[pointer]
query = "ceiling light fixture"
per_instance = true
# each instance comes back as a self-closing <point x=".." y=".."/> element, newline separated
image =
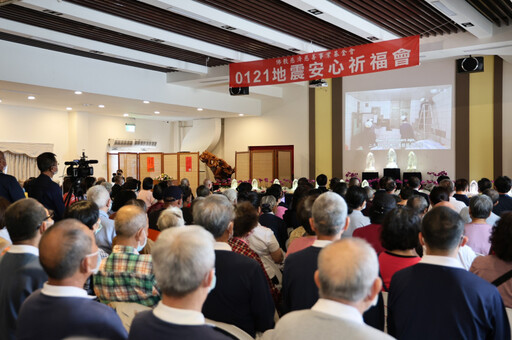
<point x="443" y="9"/>
<point x="101" y="106"/>
<point x="145" y="101"/>
<point x="69" y="108"/>
<point x="31" y="97"/>
<point x="240" y="114"/>
<point x="78" y="92"/>
<point x="0" y="100"/>
<point x="199" y="109"/>
<point x="157" y="112"/>
<point x="125" y="114"/>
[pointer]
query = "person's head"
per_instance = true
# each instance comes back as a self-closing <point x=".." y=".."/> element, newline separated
<point x="442" y="178"/>
<point x="47" y="162"/>
<point x="333" y="181"/>
<point x="147" y="183"/>
<point x="354" y="181"/>
<point x="185" y="182"/>
<point x="244" y="187"/>
<point x="298" y="194"/>
<point x="493" y="195"/>
<point x="439" y="194"/>
<point x="268" y="203"/>
<point x="86" y="212"/>
<point x="183" y="261"/>
<point x="121" y="198"/>
<point x="414" y="182"/>
<point x="501" y="237"/>
<point x="303" y="181"/>
<point x="321" y="180"/>
<point x="100" y="196"/>
<point x="187" y="194"/>
<point x="355" y="280"/>
<point x="329" y="214"/>
<point x="340" y="188"/>
<point x="215" y="213"/>
<point x="173" y="195"/>
<point x="381" y="204"/>
<point x="419" y="204"/>
<point x="100" y="180"/>
<point x="208" y="183"/>
<point x="355" y="198"/>
<point x="231" y="195"/>
<point x="448" y="184"/>
<point x="138" y="202"/>
<point x="503" y="184"/>
<point x="107" y="186"/>
<point x="26" y="220"/>
<point x="484" y="183"/>
<point x="170" y="217"/>
<point x="202" y="191"/>
<point x="400" y="229"/>
<point x="406" y="193"/>
<point x="304" y="212"/>
<point x="4" y="204"/>
<point x="158" y="191"/>
<point x="441" y="230"/>
<point x="390" y="186"/>
<point x="119" y="180"/>
<point x="249" y="196"/>
<point x="383" y="181"/>
<point x="275" y="190"/>
<point x="131" y="223"/>
<point x="480" y="206"/>
<point x="68" y="250"/>
<point x="246" y="219"/>
<point x="461" y="185"/>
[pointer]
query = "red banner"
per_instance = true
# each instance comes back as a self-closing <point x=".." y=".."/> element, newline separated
<point x="348" y="61"/>
<point x="151" y="164"/>
<point x="188" y="164"/>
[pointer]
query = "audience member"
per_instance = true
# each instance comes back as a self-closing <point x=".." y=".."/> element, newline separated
<point x="158" y="195"/>
<point x="438" y="195"/>
<point x="277" y="191"/>
<point x="340" y="188"/>
<point x="484" y="183"/>
<point x="121" y="198"/>
<point x="5" y="239"/>
<point x="290" y="217"/>
<point x="399" y="237"/>
<point x="146" y="194"/>
<point x="346" y="290"/>
<point x="448" y="184"/>
<point x="497" y="267"/>
<point x="21" y="273"/>
<point x="100" y="181"/>
<point x="241" y="296"/>
<point x="99" y="195"/>
<point x="43" y="189"/>
<point x="354" y="181"/>
<point x="405" y="194"/>
<point x="127" y="276"/>
<point x="438" y="291"/>
<point x="231" y="195"/>
<point x="208" y="184"/>
<point x="172" y="197"/>
<point x="270" y="220"/>
<point x="461" y="191"/>
<point x="187" y="204"/>
<point x="321" y="181"/>
<point x="333" y="181"/>
<point x="184" y="261"/>
<point x="478" y="231"/>
<point x="62" y="309"/>
<point x="170" y="217"/>
<point x="10" y="189"/>
<point x="418" y="204"/>
<point x="303" y="236"/>
<point x="244" y="187"/>
<point x="415" y="183"/>
<point x="329" y="219"/>
<point x="382" y="203"/>
<point x="502" y="184"/>
<point x="202" y="191"/>
<point x="118" y="183"/>
<point x="356" y="202"/>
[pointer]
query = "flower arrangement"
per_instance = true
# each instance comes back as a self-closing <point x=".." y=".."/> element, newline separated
<point x="434" y="176"/>
<point x="350" y="175"/>
<point x="163" y="177"/>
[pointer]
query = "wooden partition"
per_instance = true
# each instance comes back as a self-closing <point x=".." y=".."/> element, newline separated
<point x="243" y="166"/>
<point x="112" y="165"/>
<point x="188" y="166"/>
<point x="150" y="165"/>
<point x="171" y="164"/>
<point x="129" y="163"/>
<point x="272" y="162"/>
<point x="262" y="164"/>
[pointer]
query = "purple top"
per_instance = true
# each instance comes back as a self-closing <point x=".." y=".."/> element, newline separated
<point x="478" y="235"/>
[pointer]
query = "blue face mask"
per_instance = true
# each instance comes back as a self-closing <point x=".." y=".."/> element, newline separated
<point x="214" y="282"/>
<point x="98" y="230"/>
<point x="140" y="247"/>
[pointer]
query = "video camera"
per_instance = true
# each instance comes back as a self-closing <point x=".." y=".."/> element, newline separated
<point x="80" y="168"/>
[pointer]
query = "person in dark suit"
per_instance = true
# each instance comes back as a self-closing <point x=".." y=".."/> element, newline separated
<point x="183" y="260"/>
<point x="438" y="298"/>
<point x="270" y="220"/>
<point x="43" y="189"/>
<point x="242" y="296"/>
<point x="415" y="183"/>
<point x="9" y="186"/>
<point x="503" y="185"/>
<point x="22" y="274"/>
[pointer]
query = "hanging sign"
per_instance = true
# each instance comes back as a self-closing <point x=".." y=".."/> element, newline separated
<point x="348" y="61"/>
<point x="151" y="164"/>
<point x="188" y="164"/>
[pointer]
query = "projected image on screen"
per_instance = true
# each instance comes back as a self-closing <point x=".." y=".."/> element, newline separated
<point x="407" y="118"/>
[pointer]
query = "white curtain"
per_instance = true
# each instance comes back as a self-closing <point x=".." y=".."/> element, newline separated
<point x="21" y="158"/>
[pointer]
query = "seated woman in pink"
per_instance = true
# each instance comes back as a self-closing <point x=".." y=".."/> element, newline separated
<point x="478" y="231"/>
<point x="307" y="235"/>
<point x="399" y="237"/>
<point x="495" y="266"/>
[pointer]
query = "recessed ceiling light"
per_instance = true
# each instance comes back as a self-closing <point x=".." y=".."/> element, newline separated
<point x="78" y="92"/>
<point x="69" y="108"/>
<point x="157" y="112"/>
<point x="240" y="114"/>
<point x="101" y="106"/>
<point x="0" y="100"/>
<point x="145" y="101"/>
<point x="31" y="97"/>
<point x="199" y="109"/>
<point x="125" y="114"/>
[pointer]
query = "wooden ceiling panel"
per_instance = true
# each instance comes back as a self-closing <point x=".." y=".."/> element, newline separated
<point x="497" y="11"/>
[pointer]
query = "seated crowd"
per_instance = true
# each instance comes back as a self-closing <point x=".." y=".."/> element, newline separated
<point x="229" y="264"/>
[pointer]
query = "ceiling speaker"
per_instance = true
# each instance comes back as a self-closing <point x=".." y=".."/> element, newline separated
<point x="470" y="64"/>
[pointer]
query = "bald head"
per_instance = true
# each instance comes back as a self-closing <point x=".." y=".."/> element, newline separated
<point x="63" y="247"/>
<point x="129" y="220"/>
<point x="347" y="269"/>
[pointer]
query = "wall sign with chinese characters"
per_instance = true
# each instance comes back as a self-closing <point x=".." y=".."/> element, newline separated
<point x="368" y="58"/>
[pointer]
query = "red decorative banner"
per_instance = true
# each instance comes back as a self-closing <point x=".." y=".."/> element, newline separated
<point x="188" y="164"/>
<point x="151" y="164"/>
<point x="368" y="58"/>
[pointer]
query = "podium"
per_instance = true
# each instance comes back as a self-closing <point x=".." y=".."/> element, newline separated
<point x="410" y="174"/>
<point x="392" y="172"/>
<point x="368" y="175"/>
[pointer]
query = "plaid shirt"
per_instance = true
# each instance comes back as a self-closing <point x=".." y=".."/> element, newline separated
<point x="126" y="276"/>
<point x="241" y="247"/>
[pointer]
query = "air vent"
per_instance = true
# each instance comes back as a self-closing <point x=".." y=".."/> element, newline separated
<point x="144" y="143"/>
<point x="133" y="144"/>
<point x="157" y="40"/>
<point x="51" y="12"/>
<point x="372" y="38"/>
<point x="467" y="24"/>
<point x="315" y="11"/>
<point x="294" y="49"/>
<point x="228" y="59"/>
<point x="229" y="28"/>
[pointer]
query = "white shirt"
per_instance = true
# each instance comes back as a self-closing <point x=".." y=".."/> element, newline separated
<point x="445" y="261"/>
<point x="64" y="291"/>
<point x="458" y="205"/>
<point x="263" y="241"/>
<point x="178" y="316"/>
<point x="5" y="234"/>
<point x="466" y="256"/>
<point x="23" y="249"/>
<point x="338" y="310"/>
<point x="222" y="246"/>
<point x="321" y="243"/>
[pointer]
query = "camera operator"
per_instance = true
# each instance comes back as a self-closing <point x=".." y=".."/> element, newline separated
<point x="43" y="189"/>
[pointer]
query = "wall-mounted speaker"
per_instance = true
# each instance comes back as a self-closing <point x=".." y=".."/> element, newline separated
<point x="470" y="64"/>
<point x="238" y="91"/>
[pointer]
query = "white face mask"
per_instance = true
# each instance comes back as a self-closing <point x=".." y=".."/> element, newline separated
<point x="5" y="169"/>
<point x="140" y="247"/>
<point x="98" y="261"/>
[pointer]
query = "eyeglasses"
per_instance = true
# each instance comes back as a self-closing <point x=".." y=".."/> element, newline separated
<point x="51" y="214"/>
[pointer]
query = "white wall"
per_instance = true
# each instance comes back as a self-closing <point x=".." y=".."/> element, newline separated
<point x="283" y="122"/>
<point x="507" y="118"/>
